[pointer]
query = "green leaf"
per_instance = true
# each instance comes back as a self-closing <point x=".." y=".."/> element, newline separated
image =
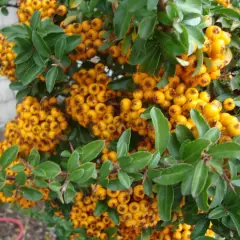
<point x="21" y="178"/>
<point x="34" y="157"/>
<point x="124" y="161"/>
<point x="18" y="167"/>
<point x="16" y="86"/>
<point x="140" y="160"/>
<point x="65" y="154"/>
<point x="51" y="78"/>
<point x="113" y="214"/>
<point x="50" y="168"/>
<point x="123" y="143"/>
<point x="201" y="123"/>
<point x="228" y="149"/>
<point x="115" y="185"/>
<point x="39" y="172"/>
<point x="152" y="4"/>
<point x="200" y="228"/>
<point x="164" y="19"/>
<point x="199" y="55"/>
<point x="70" y="194"/>
<point x="236" y="220"/>
<point x="228" y="12"/>
<point x="31" y="74"/>
<point x="183" y="133"/>
<point x="165" y="196"/>
<point x="147" y="185"/>
<point x="195" y="35"/>
<point x="39" y="59"/>
<point x="40" y="183"/>
<point x="121" y="21"/>
<point x="73" y="161"/>
<point x="146" y="26"/>
<point x="60" y="47"/>
<point x="105" y="169"/>
<point x="217" y="213"/>
<point x="161" y="127"/>
<point x="31" y="194"/>
<point x="4" y="11"/>
<point x="221" y="189"/>
<point x="187" y="184"/>
<point x="35" y="20"/>
<point x="40" y="44"/>
<point x="190" y="6"/>
<point x="89" y="170"/>
<point x="155" y="160"/>
<point x="124" y="179"/>
<point x="213" y="135"/>
<point x="2" y="179"/>
<point x="76" y="175"/>
<point x="23" y="57"/>
<point x="192" y="151"/>
<point x="199" y="178"/>
<point x="236" y="181"/>
<point x="8" y="156"/>
<point x="133" y="5"/>
<point x="55" y="186"/>
<point x="124" y="83"/>
<point x="173" y="145"/>
<point x="100" y="208"/>
<point x="72" y="42"/>
<point x="173" y="174"/>
<point x="91" y="150"/>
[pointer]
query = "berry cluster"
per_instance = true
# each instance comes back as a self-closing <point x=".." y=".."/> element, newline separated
<point x="37" y="125"/>
<point x="47" y="8"/>
<point x="7" y="56"/>
<point x="91" y="38"/>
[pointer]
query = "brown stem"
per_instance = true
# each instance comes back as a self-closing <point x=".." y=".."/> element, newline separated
<point x="229" y="182"/>
<point x="57" y="63"/>
<point x="71" y="147"/>
<point x="161" y="4"/>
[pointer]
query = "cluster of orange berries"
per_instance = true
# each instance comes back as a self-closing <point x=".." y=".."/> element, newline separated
<point x="82" y="215"/>
<point x="88" y="103"/>
<point x="91" y="38"/>
<point x="215" y="48"/>
<point x="225" y="3"/>
<point x="37" y="125"/>
<point x="116" y="52"/>
<point x="7" y="56"/>
<point x="47" y="8"/>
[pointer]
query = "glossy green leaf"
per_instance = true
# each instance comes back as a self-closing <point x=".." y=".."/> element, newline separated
<point x="155" y="160"/>
<point x="124" y="179"/>
<point x="91" y="150"/>
<point x="113" y="214"/>
<point x="89" y="170"/>
<point x="55" y="186"/>
<point x="199" y="178"/>
<point x="8" y="156"/>
<point x="123" y="143"/>
<point x="51" y="78"/>
<point x="72" y="42"/>
<point x="105" y="169"/>
<point x="192" y="151"/>
<point x="200" y="228"/>
<point x="40" y="44"/>
<point x="228" y="149"/>
<point x="31" y="194"/>
<point x="201" y="123"/>
<point x="221" y="189"/>
<point x="2" y="179"/>
<point x="165" y="196"/>
<point x="69" y="194"/>
<point x="199" y="55"/>
<point x="34" y="157"/>
<point x="173" y="145"/>
<point x="18" y="167"/>
<point x="35" y="20"/>
<point x="213" y="135"/>
<point x="60" y="47"/>
<point x="73" y="161"/>
<point x="100" y="208"/>
<point x="173" y="174"/>
<point x="236" y="220"/>
<point x="183" y="133"/>
<point x="23" y="57"/>
<point x="217" y="213"/>
<point x="161" y="127"/>
<point x="76" y="175"/>
<point x="50" y="168"/>
<point x="31" y="74"/>
<point x="21" y="178"/>
<point x="147" y="185"/>
<point x="186" y="184"/>
<point x="146" y="26"/>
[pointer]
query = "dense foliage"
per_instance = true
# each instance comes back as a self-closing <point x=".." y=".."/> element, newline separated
<point x="127" y="121"/>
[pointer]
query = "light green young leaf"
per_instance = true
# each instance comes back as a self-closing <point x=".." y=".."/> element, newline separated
<point x="76" y="175"/>
<point x="213" y="135"/>
<point x="161" y="127"/>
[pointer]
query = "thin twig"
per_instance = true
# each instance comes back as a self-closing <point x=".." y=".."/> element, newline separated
<point x="57" y="63"/>
<point x="71" y="146"/>
<point x="229" y="182"/>
<point x="11" y="5"/>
